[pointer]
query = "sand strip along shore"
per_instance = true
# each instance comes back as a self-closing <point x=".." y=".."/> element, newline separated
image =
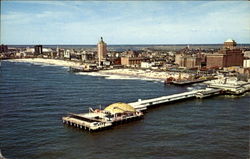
<point x="48" y="61"/>
<point x="121" y="72"/>
<point x="143" y="73"/>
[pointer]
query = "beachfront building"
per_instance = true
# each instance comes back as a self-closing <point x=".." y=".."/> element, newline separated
<point x="147" y="64"/>
<point x="101" y="50"/>
<point x="3" y="48"/>
<point x="229" y="44"/>
<point x="246" y="63"/>
<point x="26" y="53"/>
<point x="178" y="57"/>
<point x="38" y="49"/>
<point x="188" y="61"/>
<point x="131" y="61"/>
<point x="228" y="56"/>
<point x="60" y="53"/>
<point x="66" y="54"/>
<point x="246" y="54"/>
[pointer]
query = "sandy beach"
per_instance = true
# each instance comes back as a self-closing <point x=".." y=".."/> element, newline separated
<point x="48" y="61"/>
<point x="115" y="73"/>
<point x="143" y="73"/>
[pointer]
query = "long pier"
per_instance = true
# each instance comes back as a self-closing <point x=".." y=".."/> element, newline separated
<point x="122" y="112"/>
<point x="125" y="112"/>
<point x="142" y="105"/>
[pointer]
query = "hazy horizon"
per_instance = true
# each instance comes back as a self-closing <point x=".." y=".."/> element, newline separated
<point x="122" y="44"/>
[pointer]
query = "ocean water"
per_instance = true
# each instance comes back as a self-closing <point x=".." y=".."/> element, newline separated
<point x="34" y="98"/>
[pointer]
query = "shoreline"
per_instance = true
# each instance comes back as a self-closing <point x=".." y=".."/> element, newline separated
<point x="124" y="73"/>
<point x="55" y="62"/>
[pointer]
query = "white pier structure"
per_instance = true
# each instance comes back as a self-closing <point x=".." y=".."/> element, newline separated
<point x="144" y="104"/>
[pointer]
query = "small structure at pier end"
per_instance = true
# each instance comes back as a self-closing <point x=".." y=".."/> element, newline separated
<point x="98" y="119"/>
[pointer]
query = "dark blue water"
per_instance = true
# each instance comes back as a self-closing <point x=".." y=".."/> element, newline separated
<point x="33" y="99"/>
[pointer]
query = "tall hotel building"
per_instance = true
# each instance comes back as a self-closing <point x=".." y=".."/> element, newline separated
<point x="101" y="50"/>
<point x="3" y="48"/>
<point x="38" y="49"/>
<point x="230" y="55"/>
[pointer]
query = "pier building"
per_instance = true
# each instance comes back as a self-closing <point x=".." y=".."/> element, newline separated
<point x="230" y="85"/>
<point x="100" y="119"/>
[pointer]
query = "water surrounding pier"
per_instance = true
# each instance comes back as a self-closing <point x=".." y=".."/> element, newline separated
<point x="33" y="99"/>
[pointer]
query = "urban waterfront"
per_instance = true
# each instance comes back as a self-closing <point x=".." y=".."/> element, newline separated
<point x="33" y="98"/>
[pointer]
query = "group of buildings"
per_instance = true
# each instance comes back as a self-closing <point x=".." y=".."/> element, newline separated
<point x="229" y="56"/>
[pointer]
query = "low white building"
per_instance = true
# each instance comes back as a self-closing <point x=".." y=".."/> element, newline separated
<point x="146" y="64"/>
<point x="247" y="54"/>
<point x="30" y="50"/>
<point x="106" y="63"/>
<point x="246" y="63"/>
<point x="231" y="84"/>
<point x="66" y="54"/>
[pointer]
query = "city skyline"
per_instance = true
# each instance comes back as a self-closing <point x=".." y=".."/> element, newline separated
<point x="130" y="22"/>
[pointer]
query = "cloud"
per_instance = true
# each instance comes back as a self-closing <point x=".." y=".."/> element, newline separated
<point x="127" y="22"/>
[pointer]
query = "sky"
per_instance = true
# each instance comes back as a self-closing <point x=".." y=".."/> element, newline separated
<point x="124" y="22"/>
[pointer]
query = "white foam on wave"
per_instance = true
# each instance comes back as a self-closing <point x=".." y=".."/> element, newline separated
<point x="42" y="64"/>
<point x="190" y="88"/>
<point x="198" y="84"/>
<point x="196" y="87"/>
<point x="124" y="77"/>
<point x="152" y="79"/>
<point x="117" y="77"/>
<point x="91" y="74"/>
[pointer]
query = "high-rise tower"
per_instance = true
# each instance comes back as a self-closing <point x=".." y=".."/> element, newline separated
<point x="101" y="50"/>
<point x="38" y="49"/>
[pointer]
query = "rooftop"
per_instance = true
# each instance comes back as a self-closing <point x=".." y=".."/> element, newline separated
<point x="229" y="40"/>
<point x="119" y="108"/>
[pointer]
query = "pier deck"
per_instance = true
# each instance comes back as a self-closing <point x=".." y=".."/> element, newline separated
<point x="144" y="104"/>
<point x="84" y="121"/>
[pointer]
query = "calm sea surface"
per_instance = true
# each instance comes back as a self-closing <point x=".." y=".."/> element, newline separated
<point x="33" y="99"/>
